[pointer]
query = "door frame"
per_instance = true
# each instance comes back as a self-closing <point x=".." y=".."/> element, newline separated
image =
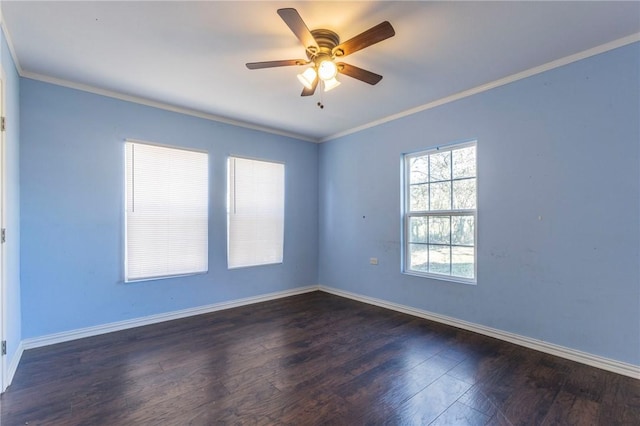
<point x="3" y="299"/>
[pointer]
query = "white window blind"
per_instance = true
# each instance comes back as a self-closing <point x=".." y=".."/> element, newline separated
<point x="255" y="212"/>
<point x="166" y="211"/>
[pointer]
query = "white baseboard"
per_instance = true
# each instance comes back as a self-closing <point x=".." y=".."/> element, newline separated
<point x="66" y="336"/>
<point x="539" y="345"/>
<point x="13" y="366"/>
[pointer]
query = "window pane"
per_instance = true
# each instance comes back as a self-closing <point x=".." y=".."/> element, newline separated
<point x="418" y="230"/>
<point x="439" y="229"/>
<point x="441" y="191"/>
<point x="255" y="217"/>
<point x="462" y="263"/>
<point x="440" y="165"/>
<point x="419" y="171"/>
<point x="166" y="211"/>
<point x="440" y="196"/>
<point x="464" y="162"/>
<point x="419" y="197"/>
<point x="462" y="230"/>
<point x="464" y="194"/>
<point x="418" y="257"/>
<point x="439" y="259"/>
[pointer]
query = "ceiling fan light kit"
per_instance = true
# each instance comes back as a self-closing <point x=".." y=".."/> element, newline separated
<point x="322" y="47"/>
<point x="332" y="83"/>
<point x="308" y="77"/>
<point x="327" y="70"/>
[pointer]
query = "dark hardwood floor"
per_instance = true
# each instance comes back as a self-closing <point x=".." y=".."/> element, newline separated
<point x="309" y="359"/>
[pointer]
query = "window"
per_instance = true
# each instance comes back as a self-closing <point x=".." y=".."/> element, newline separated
<point x="440" y="213"/>
<point x="166" y="211"/>
<point x="255" y="212"/>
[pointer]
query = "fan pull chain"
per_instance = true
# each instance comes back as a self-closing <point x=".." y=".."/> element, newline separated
<point x="320" y="103"/>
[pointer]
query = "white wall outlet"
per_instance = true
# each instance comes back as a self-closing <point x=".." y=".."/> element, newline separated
<point x="373" y="261"/>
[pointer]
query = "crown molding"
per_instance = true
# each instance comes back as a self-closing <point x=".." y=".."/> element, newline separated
<point x="137" y="99"/>
<point x="7" y="37"/>
<point x="632" y="38"/>
<point x="162" y="105"/>
<point x="492" y="85"/>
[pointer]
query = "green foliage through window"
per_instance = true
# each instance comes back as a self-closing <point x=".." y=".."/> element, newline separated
<point x="440" y="212"/>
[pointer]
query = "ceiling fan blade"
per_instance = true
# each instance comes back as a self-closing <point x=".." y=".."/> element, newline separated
<point x="373" y="35"/>
<point x="294" y="21"/>
<point x="309" y="92"/>
<point x="358" y="73"/>
<point x="271" y="64"/>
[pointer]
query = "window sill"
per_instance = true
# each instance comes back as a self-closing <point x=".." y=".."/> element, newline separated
<point x="440" y="277"/>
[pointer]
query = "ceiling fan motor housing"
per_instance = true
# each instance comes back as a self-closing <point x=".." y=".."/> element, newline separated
<point x="322" y="48"/>
<point x="327" y="40"/>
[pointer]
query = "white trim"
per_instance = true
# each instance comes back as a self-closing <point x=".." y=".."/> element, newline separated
<point x="407" y="214"/>
<point x="164" y="106"/>
<point x="138" y="99"/>
<point x="13" y="366"/>
<point x="3" y="249"/>
<point x="65" y="336"/>
<point x="603" y="363"/>
<point x="632" y="38"/>
<point x="9" y="41"/>
<point x="492" y="85"/>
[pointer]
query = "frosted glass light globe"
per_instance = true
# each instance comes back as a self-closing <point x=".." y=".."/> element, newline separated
<point x="307" y="77"/>
<point x="327" y="70"/>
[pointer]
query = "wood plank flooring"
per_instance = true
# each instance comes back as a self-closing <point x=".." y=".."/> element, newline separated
<point x="304" y="360"/>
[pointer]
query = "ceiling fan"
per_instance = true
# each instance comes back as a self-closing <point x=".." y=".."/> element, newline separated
<point x="323" y="47"/>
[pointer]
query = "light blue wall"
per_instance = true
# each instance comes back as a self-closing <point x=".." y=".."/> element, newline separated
<point x="12" y="199"/>
<point x="72" y="210"/>
<point x="562" y="145"/>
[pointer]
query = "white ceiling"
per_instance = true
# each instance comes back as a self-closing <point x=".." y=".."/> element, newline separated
<point x="191" y="55"/>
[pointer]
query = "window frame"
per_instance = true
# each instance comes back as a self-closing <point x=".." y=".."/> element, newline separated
<point x="407" y="214"/>
<point x="230" y="202"/>
<point x="134" y="142"/>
